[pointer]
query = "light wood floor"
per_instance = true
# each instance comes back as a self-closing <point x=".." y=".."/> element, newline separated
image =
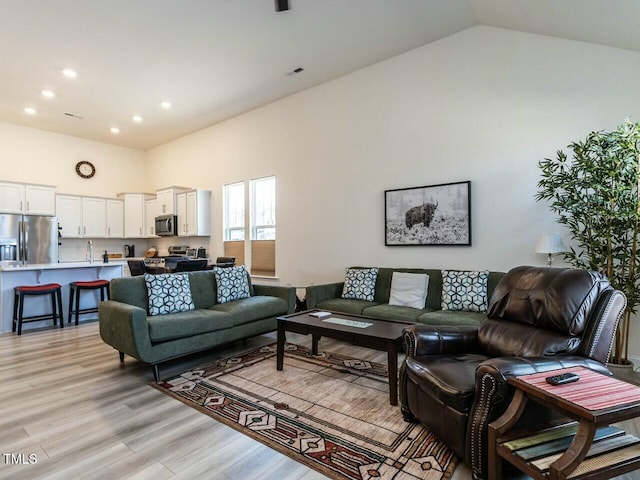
<point x="64" y="399"/>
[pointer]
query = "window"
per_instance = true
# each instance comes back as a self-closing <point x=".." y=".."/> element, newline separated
<point x="234" y="212"/>
<point x="263" y="209"/>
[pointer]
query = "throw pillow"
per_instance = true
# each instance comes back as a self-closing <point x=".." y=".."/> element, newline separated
<point x="232" y="283"/>
<point x="360" y="283"/>
<point x="464" y="290"/>
<point x="409" y="289"/>
<point x="169" y="293"/>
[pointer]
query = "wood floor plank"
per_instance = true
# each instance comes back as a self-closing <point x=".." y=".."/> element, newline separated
<point x="65" y="398"/>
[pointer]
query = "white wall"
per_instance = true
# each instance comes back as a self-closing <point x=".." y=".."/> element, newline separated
<point x="482" y="105"/>
<point x="37" y="156"/>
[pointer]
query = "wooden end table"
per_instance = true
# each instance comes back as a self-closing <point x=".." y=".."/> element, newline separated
<point x="587" y="448"/>
<point x="383" y="335"/>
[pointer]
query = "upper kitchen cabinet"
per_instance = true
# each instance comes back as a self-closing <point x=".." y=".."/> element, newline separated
<point x="94" y="217"/>
<point x="151" y="211"/>
<point x="69" y="213"/>
<point x="135" y="214"/>
<point x="27" y="199"/>
<point x="115" y="218"/>
<point x="167" y="200"/>
<point x="194" y="213"/>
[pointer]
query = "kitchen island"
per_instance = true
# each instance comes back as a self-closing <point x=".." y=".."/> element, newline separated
<point x="63" y="273"/>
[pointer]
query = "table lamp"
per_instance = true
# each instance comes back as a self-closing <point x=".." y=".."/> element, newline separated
<point x="550" y="243"/>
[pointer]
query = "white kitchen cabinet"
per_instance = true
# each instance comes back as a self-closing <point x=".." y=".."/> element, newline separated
<point x="151" y="206"/>
<point x="194" y="213"/>
<point x="69" y="213"/>
<point x="27" y="198"/>
<point x="94" y="217"/>
<point x="134" y="214"/>
<point x="167" y="200"/>
<point x="115" y="218"/>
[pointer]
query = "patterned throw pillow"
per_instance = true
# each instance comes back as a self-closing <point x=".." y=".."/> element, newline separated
<point x="169" y="293"/>
<point x="360" y="283"/>
<point x="464" y="290"/>
<point x="232" y="283"/>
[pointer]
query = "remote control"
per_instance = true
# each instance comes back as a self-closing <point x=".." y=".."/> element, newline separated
<point x="563" y="378"/>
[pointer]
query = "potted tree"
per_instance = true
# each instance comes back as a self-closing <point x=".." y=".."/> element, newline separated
<point x="595" y="195"/>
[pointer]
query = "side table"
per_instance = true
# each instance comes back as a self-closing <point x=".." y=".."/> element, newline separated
<point x="587" y="448"/>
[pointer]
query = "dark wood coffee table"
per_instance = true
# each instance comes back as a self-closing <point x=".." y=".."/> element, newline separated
<point x="383" y="335"/>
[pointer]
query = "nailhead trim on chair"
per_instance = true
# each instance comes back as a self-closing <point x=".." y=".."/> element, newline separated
<point x="409" y="343"/>
<point x="601" y="327"/>
<point x="480" y="418"/>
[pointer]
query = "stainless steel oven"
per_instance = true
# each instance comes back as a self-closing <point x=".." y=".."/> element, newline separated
<point x="166" y="226"/>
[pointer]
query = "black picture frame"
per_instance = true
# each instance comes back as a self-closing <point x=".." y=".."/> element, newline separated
<point x="432" y="215"/>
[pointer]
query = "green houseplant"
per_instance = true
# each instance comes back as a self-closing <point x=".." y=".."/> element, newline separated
<point x="595" y="196"/>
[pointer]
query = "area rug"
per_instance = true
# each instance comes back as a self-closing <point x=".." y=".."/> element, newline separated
<point x="327" y="411"/>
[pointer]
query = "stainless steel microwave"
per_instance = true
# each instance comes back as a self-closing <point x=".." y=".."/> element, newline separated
<point x="166" y="225"/>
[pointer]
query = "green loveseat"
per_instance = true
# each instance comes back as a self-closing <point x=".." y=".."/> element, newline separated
<point x="328" y="297"/>
<point x="126" y="325"/>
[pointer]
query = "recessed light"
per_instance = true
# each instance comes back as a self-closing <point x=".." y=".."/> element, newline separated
<point x="115" y="130"/>
<point x="48" y="93"/>
<point x="137" y="118"/>
<point x="30" y="110"/>
<point x="165" y="104"/>
<point x="69" y="73"/>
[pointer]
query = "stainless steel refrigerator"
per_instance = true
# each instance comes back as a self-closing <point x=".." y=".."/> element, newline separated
<point x="28" y="239"/>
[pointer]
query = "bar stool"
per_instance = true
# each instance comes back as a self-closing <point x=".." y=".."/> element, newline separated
<point x="77" y="287"/>
<point x="53" y="289"/>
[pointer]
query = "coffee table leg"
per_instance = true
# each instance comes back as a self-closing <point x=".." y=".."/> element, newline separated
<point x="392" y="365"/>
<point x="314" y="344"/>
<point x="280" y="346"/>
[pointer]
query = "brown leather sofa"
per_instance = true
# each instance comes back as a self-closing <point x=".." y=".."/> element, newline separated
<point x="454" y="378"/>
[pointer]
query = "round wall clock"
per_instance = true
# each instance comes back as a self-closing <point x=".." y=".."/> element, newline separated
<point x="85" y="169"/>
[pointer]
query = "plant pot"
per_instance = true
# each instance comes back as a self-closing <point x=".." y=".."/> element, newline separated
<point x="623" y="371"/>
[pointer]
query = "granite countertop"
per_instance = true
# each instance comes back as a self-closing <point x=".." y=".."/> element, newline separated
<point x="61" y="266"/>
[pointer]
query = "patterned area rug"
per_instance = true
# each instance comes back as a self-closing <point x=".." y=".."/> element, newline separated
<point x="329" y="412"/>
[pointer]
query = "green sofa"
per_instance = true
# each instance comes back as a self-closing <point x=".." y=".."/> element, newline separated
<point x="328" y="297"/>
<point x="126" y="325"/>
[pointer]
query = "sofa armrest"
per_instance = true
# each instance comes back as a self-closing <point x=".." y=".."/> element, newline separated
<point x="318" y="293"/>
<point x="493" y="395"/>
<point x="124" y="327"/>
<point x="421" y="340"/>
<point x="288" y="294"/>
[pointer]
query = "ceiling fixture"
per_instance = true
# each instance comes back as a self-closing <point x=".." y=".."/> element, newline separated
<point x="137" y="118"/>
<point x="73" y="115"/>
<point x="30" y="110"/>
<point x="48" y="93"/>
<point x="115" y="130"/>
<point x="282" y="5"/>
<point x="295" y="70"/>
<point x="69" y="73"/>
<point x="165" y="104"/>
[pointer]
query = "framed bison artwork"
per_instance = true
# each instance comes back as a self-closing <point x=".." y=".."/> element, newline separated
<point x="431" y="215"/>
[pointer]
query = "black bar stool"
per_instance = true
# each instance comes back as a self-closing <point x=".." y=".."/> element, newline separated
<point x="53" y="289"/>
<point x="77" y="287"/>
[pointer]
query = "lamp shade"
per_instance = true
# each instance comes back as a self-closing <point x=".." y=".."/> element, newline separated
<point x="550" y="243"/>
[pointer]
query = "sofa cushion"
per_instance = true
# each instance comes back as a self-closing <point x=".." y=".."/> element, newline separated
<point x="203" y="288"/>
<point x="452" y="317"/>
<point x="249" y="309"/>
<point x="232" y="283"/>
<point x="394" y="312"/>
<point x="360" y="283"/>
<point x="172" y="326"/>
<point x="464" y="290"/>
<point x="345" y="305"/>
<point x="168" y="293"/>
<point x="409" y="290"/>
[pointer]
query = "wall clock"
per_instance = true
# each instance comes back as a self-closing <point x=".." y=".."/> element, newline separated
<point x="85" y="169"/>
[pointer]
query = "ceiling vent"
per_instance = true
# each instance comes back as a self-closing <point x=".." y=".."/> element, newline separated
<point x="282" y="5"/>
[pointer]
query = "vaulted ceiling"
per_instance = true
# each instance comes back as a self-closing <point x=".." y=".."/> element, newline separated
<point x="214" y="59"/>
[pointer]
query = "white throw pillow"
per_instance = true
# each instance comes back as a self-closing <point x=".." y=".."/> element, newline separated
<point x="409" y="289"/>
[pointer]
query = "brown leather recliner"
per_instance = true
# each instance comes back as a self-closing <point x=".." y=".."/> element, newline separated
<point x="454" y="379"/>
